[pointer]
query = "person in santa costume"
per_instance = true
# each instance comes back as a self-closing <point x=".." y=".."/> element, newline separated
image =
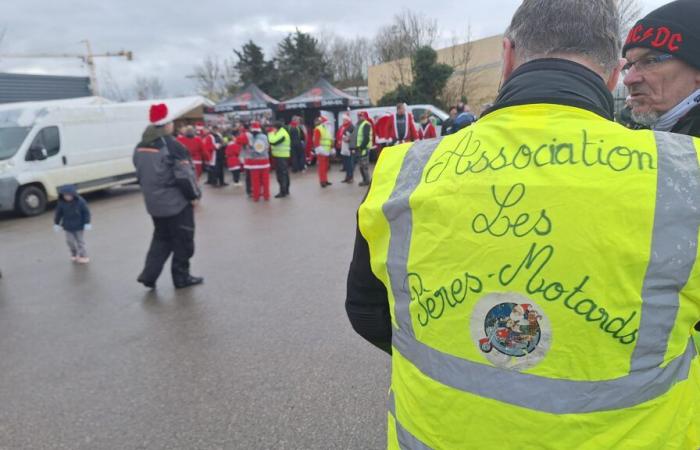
<point x="342" y="140"/>
<point x="193" y="144"/>
<point x="233" y="156"/>
<point x="257" y="162"/>
<point x="208" y="154"/>
<point x="397" y="128"/>
<point x="426" y="130"/>
<point x="323" y="147"/>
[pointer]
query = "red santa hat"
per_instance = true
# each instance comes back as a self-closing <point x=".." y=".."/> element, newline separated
<point x="255" y="126"/>
<point x="158" y="114"/>
<point x="321" y="120"/>
<point x="363" y="114"/>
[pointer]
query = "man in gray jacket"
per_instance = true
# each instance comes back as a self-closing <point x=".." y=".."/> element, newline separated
<point x="168" y="182"/>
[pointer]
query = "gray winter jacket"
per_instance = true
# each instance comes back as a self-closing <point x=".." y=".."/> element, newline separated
<point x="165" y="173"/>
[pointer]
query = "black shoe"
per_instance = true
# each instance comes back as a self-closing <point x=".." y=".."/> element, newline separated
<point x="189" y="281"/>
<point x="345" y="180"/>
<point x="324" y="185"/>
<point x="280" y="195"/>
<point x="363" y="183"/>
<point x="329" y="183"/>
<point x="148" y="284"/>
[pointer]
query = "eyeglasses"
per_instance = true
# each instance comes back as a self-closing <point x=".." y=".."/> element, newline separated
<point x="646" y="63"/>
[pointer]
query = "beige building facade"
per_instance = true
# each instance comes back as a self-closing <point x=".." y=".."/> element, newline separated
<point x="477" y="73"/>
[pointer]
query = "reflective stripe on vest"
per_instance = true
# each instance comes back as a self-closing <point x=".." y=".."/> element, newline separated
<point x="674" y="248"/>
<point x="406" y="440"/>
<point x="325" y="141"/>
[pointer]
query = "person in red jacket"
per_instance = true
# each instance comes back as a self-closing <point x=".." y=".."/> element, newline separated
<point x="257" y="162"/>
<point x="208" y="154"/>
<point x="233" y="158"/>
<point x="401" y="128"/>
<point x="426" y="130"/>
<point x="193" y="144"/>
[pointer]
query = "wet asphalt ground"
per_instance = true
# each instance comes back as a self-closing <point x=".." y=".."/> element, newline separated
<point x="260" y="357"/>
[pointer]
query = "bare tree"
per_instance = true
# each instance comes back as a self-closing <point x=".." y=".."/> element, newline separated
<point x="147" y="88"/>
<point x="349" y="58"/>
<point x="110" y="88"/>
<point x="215" y="78"/>
<point x="460" y="56"/>
<point x="407" y="33"/>
<point x="629" y="10"/>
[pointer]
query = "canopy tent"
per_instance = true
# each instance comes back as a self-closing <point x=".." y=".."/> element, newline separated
<point x="251" y="97"/>
<point x="323" y="95"/>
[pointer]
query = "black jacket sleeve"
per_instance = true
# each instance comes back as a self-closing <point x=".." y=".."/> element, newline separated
<point x="367" y="302"/>
<point x="85" y="211"/>
<point x="58" y="214"/>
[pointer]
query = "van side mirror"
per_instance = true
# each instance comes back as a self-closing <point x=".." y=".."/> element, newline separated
<point x="38" y="153"/>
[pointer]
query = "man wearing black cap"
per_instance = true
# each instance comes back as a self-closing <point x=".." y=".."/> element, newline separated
<point x="663" y="68"/>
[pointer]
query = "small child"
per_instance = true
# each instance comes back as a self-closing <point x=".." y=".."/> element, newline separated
<point x="73" y="215"/>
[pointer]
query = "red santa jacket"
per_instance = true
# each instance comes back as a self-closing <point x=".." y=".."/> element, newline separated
<point x="339" y="134"/>
<point x="233" y="155"/>
<point x="209" y="149"/>
<point x="427" y="131"/>
<point x="194" y="146"/>
<point x="387" y="132"/>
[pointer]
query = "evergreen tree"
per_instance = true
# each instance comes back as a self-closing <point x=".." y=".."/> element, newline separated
<point x="429" y="80"/>
<point x="253" y="68"/>
<point x="300" y="62"/>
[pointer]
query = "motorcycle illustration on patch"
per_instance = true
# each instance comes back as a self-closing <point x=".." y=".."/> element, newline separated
<point x="511" y="330"/>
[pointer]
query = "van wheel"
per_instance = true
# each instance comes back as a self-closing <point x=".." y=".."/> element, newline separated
<point x="31" y="201"/>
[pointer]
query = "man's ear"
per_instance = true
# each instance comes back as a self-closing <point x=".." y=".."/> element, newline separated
<point x="614" y="77"/>
<point x="508" y="59"/>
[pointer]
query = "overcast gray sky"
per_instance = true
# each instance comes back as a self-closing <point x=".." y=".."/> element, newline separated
<point x="170" y="38"/>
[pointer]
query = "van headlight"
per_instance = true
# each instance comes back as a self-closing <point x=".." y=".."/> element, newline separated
<point x="5" y="166"/>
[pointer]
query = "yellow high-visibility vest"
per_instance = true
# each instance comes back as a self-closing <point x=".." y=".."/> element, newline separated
<point x="542" y="280"/>
<point x="326" y="140"/>
<point x="360" y="133"/>
<point x="281" y="149"/>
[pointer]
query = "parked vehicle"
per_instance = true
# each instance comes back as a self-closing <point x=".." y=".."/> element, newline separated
<point x="87" y="142"/>
<point x="437" y="115"/>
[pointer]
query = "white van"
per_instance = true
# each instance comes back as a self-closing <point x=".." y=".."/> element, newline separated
<point x="437" y="115"/>
<point x="87" y="142"/>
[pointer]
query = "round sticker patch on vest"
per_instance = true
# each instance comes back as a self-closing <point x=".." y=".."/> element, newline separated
<point x="511" y="330"/>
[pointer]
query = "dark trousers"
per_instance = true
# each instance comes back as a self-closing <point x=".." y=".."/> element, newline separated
<point x="174" y="235"/>
<point x="349" y="166"/>
<point x="236" y="174"/>
<point x="219" y="177"/>
<point x="298" y="159"/>
<point x="248" y="185"/>
<point x="363" y="162"/>
<point x="282" y="170"/>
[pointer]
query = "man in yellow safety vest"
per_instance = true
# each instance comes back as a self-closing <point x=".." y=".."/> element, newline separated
<point x="534" y="276"/>
<point x="281" y="145"/>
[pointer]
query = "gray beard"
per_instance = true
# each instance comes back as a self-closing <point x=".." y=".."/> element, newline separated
<point x="647" y="119"/>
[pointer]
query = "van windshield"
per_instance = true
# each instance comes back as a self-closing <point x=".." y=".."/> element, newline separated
<point x="11" y="139"/>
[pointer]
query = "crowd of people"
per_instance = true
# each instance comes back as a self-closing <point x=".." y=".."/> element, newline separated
<point x="250" y="149"/>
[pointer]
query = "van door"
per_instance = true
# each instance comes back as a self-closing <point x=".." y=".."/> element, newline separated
<point x="44" y="157"/>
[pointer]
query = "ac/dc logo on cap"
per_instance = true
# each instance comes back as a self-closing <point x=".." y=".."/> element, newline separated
<point x="661" y="38"/>
<point x="511" y="330"/>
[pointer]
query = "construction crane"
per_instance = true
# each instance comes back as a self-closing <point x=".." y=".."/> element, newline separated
<point x="88" y="58"/>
